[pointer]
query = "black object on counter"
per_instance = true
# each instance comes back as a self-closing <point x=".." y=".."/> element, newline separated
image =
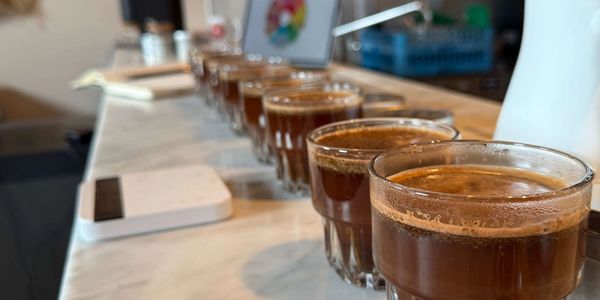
<point x="593" y="242"/>
<point x="164" y="11"/>
<point x="108" y="204"/>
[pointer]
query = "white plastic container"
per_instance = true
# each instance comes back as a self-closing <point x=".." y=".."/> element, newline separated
<point x="142" y="202"/>
<point x="554" y="96"/>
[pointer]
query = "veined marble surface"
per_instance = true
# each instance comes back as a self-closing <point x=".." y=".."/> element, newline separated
<point x="272" y="248"/>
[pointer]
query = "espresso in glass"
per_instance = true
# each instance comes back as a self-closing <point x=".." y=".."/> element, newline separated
<point x="479" y="220"/>
<point x="201" y="68"/>
<point x="292" y="114"/>
<point x="197" y="62"/>
<point x="339" y="155"/>
<point x="232" y="74"/>
<point x="215" y="90"/>
<point x="252" y="92"/>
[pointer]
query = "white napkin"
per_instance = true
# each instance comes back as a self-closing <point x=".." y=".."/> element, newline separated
<point x="140" y="83"/>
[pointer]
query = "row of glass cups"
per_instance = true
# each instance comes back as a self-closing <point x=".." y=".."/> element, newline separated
<point x="426" y="241"/>
<point x="275" y="105"/>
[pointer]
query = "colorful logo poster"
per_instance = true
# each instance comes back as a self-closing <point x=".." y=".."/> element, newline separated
<point x="285" y="20"/>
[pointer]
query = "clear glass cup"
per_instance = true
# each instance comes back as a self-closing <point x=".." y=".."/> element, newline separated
<point x="436" y="115"/>
<point x="382" y="105"/>
<point x="339" y="156"/>
<point x="198" y="61"/>
<point x="232" y="73"/>
<point x="195" y="63"/>
<point x="479" y="220"/>
<point x="211" y="69"/>
<point x="253" y="117"/>
<point x="293" y="113"/>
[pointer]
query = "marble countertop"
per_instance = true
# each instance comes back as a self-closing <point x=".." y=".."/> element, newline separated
<point x="271" y="248"/>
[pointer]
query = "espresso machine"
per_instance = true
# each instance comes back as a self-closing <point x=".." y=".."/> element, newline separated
<point x="554" y="96"/>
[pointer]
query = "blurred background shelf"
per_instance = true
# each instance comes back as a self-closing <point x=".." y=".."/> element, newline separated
<point x="478" y="62"/>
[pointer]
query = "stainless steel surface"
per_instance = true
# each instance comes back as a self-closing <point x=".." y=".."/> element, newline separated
<point x="182" y="44"/>
<point x="386" y="15"/>
<point x="437" y="115"/>
<point x="382" y="105"/>
<point x="156" y="48"/>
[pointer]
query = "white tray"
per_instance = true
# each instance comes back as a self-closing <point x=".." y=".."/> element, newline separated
<point x="153" y="200"/>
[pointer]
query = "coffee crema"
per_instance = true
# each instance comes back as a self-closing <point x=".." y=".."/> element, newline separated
<point x="370" y="139"/>
<point x="314" y="101"/>
<point x="478" y="181"/>
<point x="472" y="258"/>
<point x="500" y="186"/>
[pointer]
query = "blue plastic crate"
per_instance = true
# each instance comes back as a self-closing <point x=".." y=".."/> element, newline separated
<point x="440" y="50"/>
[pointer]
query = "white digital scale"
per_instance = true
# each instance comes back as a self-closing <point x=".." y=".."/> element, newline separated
<point x="141" y="202"/>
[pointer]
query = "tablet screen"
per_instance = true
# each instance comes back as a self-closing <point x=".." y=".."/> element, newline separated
<point x="299" y="30"/>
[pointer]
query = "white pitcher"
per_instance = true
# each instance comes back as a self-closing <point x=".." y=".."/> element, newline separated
<point x="554" y="95"/>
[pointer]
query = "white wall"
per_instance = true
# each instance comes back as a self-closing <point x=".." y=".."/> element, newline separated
<point x="230" y="8"/>
<point x="194" y="14"/>
<point x="40" y="55"/>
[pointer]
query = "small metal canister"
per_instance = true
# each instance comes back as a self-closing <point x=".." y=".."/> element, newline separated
<point x="157" y="43"/>
<point x="183" y="43"/>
